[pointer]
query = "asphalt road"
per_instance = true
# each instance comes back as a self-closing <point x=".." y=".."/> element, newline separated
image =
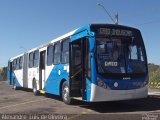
<point x="23" y="102"/>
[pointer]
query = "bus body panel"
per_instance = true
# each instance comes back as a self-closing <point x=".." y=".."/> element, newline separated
<point x="93" y="69"/>
<point x="15" y="75"/>
<point x="88" y="90"/>
<point x="19" y="77"/>
<point x="33" y="74"/>
<point x="57" y="74"/>
<point x="49" y="70"/>
<point x="16" y="79"/>
<point x="79" y="35"/>
<point x="80" y="32"/>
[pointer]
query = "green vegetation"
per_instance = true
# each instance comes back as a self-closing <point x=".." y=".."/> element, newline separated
<point x="154" y="72"/>
<point x="3" y="73"/>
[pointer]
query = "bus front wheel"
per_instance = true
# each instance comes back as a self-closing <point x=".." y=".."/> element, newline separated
<point x="65" y="93"/>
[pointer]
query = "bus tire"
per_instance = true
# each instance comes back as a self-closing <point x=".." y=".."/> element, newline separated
<point x="65" y="93"/>
<point x="35" y="91"/>
<point x="14" y="85"/>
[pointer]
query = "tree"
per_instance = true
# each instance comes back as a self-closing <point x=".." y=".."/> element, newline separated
<point x="154" y="72"/>
<point x="3" y="73"/>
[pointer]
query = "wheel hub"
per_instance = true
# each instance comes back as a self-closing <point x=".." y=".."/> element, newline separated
<point x="65" y="93"/>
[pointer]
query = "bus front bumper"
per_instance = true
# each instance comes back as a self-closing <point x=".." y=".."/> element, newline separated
<point x="100" y="94"/>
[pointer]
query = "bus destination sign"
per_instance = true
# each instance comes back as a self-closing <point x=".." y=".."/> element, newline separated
<point x="115" y="32"/>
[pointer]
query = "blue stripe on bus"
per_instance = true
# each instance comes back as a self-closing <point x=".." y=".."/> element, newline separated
<point x="88" y="90"/>
<point x="82" y="32"/>
<point x="52" y="84"/>
<point x="79" y="35"/>
<point x="14" y="77"/>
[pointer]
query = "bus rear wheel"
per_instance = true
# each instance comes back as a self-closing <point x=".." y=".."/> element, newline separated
<point x="35" y="91"/>
<point x="14" y="85"/>
<point x="65" y="93"/>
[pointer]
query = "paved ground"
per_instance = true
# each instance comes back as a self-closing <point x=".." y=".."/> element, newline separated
<point x="24" y="102"/>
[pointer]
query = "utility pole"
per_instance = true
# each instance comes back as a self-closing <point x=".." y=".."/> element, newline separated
<point x="23" y="48"/>
<point x="116" y="16"/>
<point x="117" y="19"/>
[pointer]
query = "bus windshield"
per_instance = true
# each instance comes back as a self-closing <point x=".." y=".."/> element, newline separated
<point x="120" y="55"/>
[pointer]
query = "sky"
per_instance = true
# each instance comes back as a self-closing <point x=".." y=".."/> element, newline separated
<point x="26" y="24"/>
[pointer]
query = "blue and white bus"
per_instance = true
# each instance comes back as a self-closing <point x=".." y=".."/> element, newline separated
<point x="96" y="62"/>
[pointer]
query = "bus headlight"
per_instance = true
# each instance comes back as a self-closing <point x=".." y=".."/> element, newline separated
<point x="101" y="84"/>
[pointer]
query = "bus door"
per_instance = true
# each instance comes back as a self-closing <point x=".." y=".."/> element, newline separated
<point x="42" y="69"/>
<point x="78" y="68"/>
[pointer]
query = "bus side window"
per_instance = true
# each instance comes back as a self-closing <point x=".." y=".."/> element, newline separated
<point x="17" y="64"/>
<point x="31" y="60"/>
<point x="14" y="64"/>
<point x="65" y="51"/>
<point x="50" y="55"/>
<point x="36" y="58"/>
<point x="57" y="53"/>
<point x="20" y="62"/>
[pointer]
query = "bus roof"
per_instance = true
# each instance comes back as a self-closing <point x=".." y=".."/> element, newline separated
<point x="64" y="36"/>
<point x="11" y="59"/>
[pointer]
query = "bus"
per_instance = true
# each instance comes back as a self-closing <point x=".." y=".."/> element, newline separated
<point x="94" y="63"/>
